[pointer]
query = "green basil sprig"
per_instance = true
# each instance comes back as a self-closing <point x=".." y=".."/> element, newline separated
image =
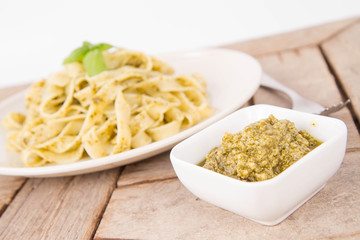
<point x="90" y="56"/>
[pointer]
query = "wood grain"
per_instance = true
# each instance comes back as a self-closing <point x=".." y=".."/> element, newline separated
<point x="153" y="169"/>
<point x="343" y="54"/>
<point x="303" y="70"/>
<point x="8" y="188"/>
<point x="166" y="210"/>
<point x="292" y="40"/>
<point x="47" y="208"/>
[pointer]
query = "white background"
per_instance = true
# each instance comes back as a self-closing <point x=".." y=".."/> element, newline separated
<point x="36" y="35"/>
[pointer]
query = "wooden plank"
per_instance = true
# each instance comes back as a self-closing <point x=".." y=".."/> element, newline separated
<point x="343" y="54"/>
<point x="353" y="138"/>
<point x="153" y="169"/>
<point x="166" y="210"/>
<point x="291" y="40"/>
<point x="305" y="70"/>
<point x="8" y="188"/>
<point x="67" y="207"/>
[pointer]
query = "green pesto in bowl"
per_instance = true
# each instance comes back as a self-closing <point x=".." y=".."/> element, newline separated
<point x="261" y="151"/>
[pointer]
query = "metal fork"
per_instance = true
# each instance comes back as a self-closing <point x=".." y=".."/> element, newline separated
<point x="298" y="102"/>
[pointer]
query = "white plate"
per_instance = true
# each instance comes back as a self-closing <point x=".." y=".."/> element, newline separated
<point x="232" y="78"/>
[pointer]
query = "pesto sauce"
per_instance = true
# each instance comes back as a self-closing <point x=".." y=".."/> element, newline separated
<point x="261" y="151"/>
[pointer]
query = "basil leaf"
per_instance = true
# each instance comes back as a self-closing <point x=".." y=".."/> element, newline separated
<point x="87" y="44"/>
<point x="91" y="57"/>
<point x="103" y="46"/>
<point x="94" y="62"/>
<point x="77" y="55"/>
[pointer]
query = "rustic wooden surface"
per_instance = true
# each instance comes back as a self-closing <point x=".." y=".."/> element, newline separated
<point x="145" y="200"/>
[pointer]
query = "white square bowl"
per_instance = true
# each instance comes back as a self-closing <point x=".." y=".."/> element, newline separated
<point x="267" y="202"/>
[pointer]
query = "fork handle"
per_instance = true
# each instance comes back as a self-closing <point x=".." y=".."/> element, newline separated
<point x="269" y="82"/>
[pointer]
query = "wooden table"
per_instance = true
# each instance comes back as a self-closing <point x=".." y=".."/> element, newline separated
<point x="145" y="200"/>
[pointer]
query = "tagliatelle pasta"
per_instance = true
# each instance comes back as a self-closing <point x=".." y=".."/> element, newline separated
<point x="137" y="101"/>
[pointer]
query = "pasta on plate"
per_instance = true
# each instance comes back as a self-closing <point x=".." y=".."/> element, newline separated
<point x="136" y="101"/>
